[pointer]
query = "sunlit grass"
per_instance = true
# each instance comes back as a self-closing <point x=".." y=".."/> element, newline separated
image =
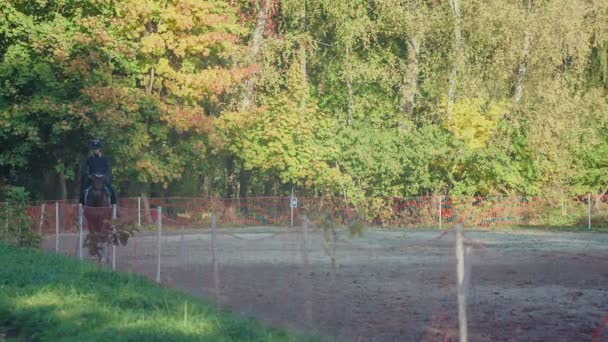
<point x="50" y="297"/>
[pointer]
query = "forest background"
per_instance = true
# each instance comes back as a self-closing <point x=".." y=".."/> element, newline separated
<point x="354" y="99"/>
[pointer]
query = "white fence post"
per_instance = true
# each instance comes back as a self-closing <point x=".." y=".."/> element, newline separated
<point x="139" y="211"/>
<point x="589" y="210"/>
<point x="80" y="224"/>
<point x="57" y="227"/>
<point x="113" y="232"/>
<point x="462" y="301"/>
<point x="158" y="250"/>
<point x="307" y="307"/>
<point x="440" y="210"/>
<point x="291" y="207"/>
<point x="182" y="250"/>
<point x="216" y="280"/>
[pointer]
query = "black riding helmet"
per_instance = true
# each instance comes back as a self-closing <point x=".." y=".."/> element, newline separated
<point x="95" y="144"/>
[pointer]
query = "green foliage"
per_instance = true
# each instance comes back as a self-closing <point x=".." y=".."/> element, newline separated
<point x="283" y="139"/>
<point x="42" y="121"/>
<point x="143" y="76"/>
<point x="18" y="226"/>
<point x="344" y="98"/>
<point x="396" y="162"/>
<point x="591" y="162"/>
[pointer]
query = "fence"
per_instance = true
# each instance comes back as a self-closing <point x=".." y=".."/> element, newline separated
<point x="414" y="212"/>
<point x="325" y="276"/>
<point x="55" y="217"/>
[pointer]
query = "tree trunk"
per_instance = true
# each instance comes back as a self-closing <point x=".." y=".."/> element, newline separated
<point x="599" y="196"/>
<point x="455" y="4"/>
<point x="204" y="186"/>
<point x="125" y="189"/>
<point x="349" y="86"/>
<point x="230" y="188"/>
<point x="303" y="65"/>
<point x="146" y="204"/>
<point x="63" y="186"/>
<point x="248" y="94"/>
<point x="151" y="82"/>
<point x="256" y="44"/>
<point x="523" y="66"/>
<point x="244" y="177"/>
<point x="409" y="88"/>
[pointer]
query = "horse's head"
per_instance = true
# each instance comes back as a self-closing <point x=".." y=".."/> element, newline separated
<point x="98" y="181"/>
<point x="98" y="195"/>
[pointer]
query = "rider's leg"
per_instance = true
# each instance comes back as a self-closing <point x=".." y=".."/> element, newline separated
<point x="87" y="184"/>
<point x="112" y="193"/>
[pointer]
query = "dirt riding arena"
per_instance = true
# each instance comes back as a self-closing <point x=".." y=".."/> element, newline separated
<point x="388" y="285"/>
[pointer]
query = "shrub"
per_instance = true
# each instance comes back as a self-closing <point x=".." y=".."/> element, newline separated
<point x="17" y="223"/>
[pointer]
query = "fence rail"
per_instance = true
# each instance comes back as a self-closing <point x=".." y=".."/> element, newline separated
<point x="413" y="212"/>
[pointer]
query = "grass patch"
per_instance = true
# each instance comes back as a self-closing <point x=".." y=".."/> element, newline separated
<point x="51" y="297"/>
<point x="539" y="228"/>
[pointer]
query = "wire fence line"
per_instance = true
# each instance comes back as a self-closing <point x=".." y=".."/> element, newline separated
<point x="323" y="276"/>
<point x="412" y="212"/>
<point x="53" y="218"/>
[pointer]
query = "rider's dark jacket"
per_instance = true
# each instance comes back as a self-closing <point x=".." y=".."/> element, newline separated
<point x="98" y="164"/>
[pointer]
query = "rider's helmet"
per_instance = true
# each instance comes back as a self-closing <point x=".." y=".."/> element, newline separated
<point x="95" y="144"/>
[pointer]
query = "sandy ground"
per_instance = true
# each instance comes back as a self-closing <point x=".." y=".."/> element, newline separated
<point x="389" y="285"/>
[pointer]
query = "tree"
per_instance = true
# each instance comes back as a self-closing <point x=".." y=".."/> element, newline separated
<point x="169" y="65"/>
<point x="43" y="121"/>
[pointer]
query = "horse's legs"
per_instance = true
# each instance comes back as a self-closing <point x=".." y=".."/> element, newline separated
<point x="98" y="228"/>
<point x="109" y="248"/>
<point x="95" y="245"/>
<point x="98" y="247"/>
<point x="104" y="253"/>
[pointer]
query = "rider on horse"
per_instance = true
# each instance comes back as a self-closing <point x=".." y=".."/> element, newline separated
<point x="97" y="164"/>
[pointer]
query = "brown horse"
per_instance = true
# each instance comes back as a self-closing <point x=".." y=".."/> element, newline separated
<point x="98" y="214"/>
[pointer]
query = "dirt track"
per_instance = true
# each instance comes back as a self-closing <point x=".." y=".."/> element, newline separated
<point x="393" y="285"/>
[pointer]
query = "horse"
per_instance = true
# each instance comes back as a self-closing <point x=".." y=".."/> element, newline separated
<point x="98" y="214"/>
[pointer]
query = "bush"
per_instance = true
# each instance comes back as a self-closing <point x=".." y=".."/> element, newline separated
<point x="17" y="223"/>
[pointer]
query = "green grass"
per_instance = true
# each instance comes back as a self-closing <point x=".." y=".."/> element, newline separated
<point x="539" y="228"/>
<point x="47" y="297"/>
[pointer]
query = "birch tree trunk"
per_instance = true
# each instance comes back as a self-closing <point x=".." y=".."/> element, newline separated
<point x="523" y="66"/>
<point x="349" y="86"/>
<point x="303" y="65"/>
<point x="455" y="4"/>
<point x="150" y="86"/>
<point x="256" y="45"/>
<point x="409" y="88"/>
